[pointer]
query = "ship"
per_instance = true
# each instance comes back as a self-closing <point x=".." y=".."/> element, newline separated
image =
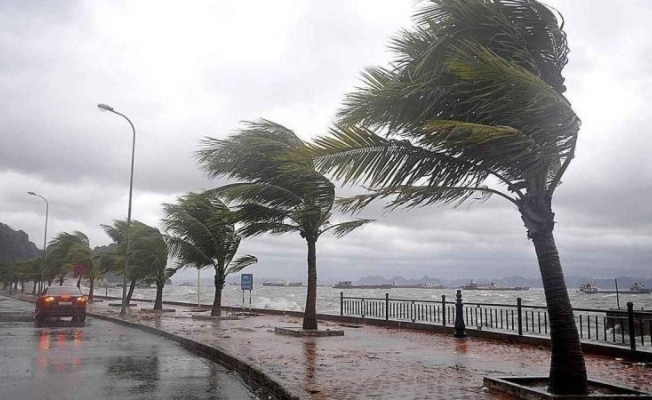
<point x="282" y="284"/>
<point x="350" y="285"/>
<point x="589" y="288"/>
<point x="424" y="285"/>
<point x="492" y="286"/>
<point x="636" y="288"/>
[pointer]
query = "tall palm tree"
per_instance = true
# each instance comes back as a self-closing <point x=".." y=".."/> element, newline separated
<point x="472" y="106"/>
<point x="281" y="192"/>
<point x="202" y="234"/>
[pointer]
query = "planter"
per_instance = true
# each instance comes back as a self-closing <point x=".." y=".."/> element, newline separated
<point x="534" y="388"/>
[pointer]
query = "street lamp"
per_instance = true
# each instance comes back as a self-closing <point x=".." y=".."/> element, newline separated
<point x="45" y="235"/>
<point x="104" y="107"/>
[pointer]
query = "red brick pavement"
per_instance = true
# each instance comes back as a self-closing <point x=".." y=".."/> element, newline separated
<point x="371" y="362"/>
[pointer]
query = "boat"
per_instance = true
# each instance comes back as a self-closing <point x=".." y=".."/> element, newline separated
<point x="492" y="286"/>
<point x="636" y="288"/>
<point x="424" y="285"/>
<point x="589" y="288"/>
<point x="350" y="285"/>
<point x="282" y="284"/>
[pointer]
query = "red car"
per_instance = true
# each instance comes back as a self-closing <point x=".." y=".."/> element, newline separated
<point x="61" y="301"/>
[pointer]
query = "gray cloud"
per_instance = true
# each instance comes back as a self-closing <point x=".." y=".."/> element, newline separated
<point x="185" y="71"/>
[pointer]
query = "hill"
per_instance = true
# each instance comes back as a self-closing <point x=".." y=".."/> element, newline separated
<point x="15" y="245"/>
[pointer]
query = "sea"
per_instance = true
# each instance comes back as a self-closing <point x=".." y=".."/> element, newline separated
<point x="328" y="298"/>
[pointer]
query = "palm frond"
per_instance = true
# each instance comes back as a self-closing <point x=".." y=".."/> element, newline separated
<point x="358" y="155"/>
<point x="344" y="228"/>
<point x="418" y="196"/>
<point x="241" y="263"/>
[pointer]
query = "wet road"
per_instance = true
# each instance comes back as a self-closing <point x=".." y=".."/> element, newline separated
<point x="101" y="360"/>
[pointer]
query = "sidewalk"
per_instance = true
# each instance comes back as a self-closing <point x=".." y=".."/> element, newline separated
<point x="370" y="362"/>
<point x="367" y="362"/>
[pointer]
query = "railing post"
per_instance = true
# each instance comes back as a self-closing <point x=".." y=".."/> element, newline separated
<point x="632" y="333"/>
<point x="460" y="327"/>
<point x="412" y="311"/>
<point x="386" y="306"/>
<point x="362" y="308"/>
<point x="443" y="309"/>
<point x="519" y="310"/>
<point x="341" y="304"/>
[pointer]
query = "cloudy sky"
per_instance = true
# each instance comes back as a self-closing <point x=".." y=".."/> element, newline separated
<point x="185" y="70"/>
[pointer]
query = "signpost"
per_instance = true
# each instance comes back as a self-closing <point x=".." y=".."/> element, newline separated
<point x="246" y="283"/>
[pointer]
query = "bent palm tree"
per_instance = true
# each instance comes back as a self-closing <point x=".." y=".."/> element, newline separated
<point x="203" y="234"/>
<point x="473" y="106"/>
<point x="149" y="254"/>
<point x="71" y="250"/>
<point x="282" y="193"/>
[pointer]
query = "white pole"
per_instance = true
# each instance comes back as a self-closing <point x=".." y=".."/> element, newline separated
<point x="198" y="287"/>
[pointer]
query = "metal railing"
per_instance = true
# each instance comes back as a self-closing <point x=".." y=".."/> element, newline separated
<point x="620" y="327"/>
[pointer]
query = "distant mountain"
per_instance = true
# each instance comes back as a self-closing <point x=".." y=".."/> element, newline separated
<point x="15" y="245"/>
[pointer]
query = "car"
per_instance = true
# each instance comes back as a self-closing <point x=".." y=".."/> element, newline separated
<point x="61" y="301"/>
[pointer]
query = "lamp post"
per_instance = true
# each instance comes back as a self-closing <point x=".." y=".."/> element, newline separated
<point x="45" y="235"/>
<point x="104" y="107"/>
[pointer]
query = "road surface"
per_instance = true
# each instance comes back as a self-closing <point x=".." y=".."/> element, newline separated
<point x="101" y="360"/>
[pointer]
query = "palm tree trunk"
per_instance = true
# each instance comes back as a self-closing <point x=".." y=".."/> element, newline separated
<point x="34" y="288"/>
<point x="132" y="286"/>
<point x="22" y="286"/>
<point x="79" y="282"/>
<point x="61" y="279"/>
<point x="567" y="369"/>
<point x="310" y="314"/>
<point x="158" y="303"/>
<point x="91" y="289"/>
<point x="216" y="311"/>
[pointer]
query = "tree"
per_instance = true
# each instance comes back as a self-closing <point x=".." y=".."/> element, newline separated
<point x="203" y="235"/>
<point x="473" y="106"/>
<point x="72" y="253"/>
<point x="282" y="192"/>
<point x="118" y="233"/>
<point x="149" y="252"/>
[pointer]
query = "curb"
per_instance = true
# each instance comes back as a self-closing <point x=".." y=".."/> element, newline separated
<point x="253" y="377"/>
<point x="261" y="385"/>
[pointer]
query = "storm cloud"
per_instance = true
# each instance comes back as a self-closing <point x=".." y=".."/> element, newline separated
<point x="183" y="71"/>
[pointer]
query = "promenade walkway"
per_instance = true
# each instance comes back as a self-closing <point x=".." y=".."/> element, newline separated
<point x="371" y="362"/>
<point x="368" y="362"/>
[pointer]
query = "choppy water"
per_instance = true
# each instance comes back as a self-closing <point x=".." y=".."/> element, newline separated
<point x="328" y="298"/>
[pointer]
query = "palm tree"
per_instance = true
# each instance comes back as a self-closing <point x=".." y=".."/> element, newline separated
<point x="282" y="192"/>
<point x="473" y="106"/>
<point x="72" y="253"/>
<point x="118" y="233"/>
<point x="203" y="235"/>
<point x="149" y="252"/>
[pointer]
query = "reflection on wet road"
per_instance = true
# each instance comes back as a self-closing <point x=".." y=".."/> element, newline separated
<point x="101" y="360"/>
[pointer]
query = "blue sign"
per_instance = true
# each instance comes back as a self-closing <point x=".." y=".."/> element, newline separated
<point x="247" y="281"/>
